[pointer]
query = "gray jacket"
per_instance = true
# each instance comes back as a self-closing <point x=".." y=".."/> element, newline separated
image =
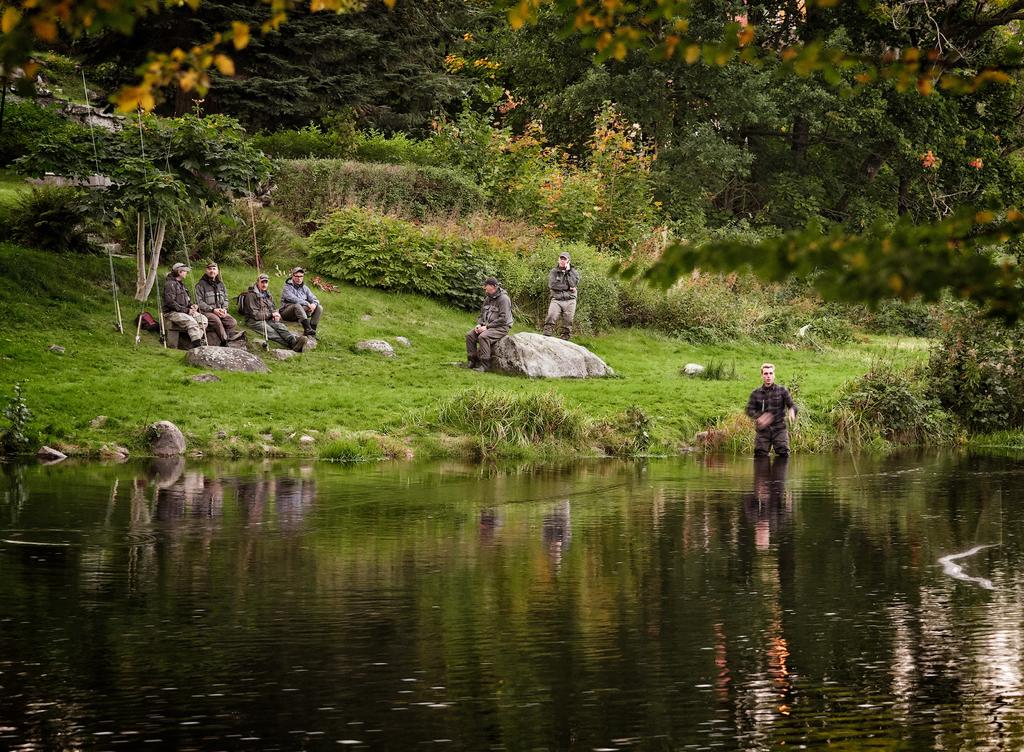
<point x="211" y="293"/>
<point x="559" y="282"/>
<point x="496" y="311"/>
<point x="301" y="294"/>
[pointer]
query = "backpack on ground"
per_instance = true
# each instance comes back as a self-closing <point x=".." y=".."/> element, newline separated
<point x="242" y="303"/>
<point x="148" y="322"/>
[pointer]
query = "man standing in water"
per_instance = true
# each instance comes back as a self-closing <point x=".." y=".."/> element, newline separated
<point x="769" y="405"/>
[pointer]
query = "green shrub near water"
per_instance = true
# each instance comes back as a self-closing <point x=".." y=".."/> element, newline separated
<point x="511" y="418"/>
<point x="309" y="190"/>
<point x="889" y="404"/>
<point x="976" y="370"/>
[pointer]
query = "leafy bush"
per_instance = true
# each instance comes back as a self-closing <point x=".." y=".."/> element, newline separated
<point x="57" y="219"/>
<point x="372" y="250"/>
<point x="914" y="318"/>
<point x="16" y="437"/>
<point x="51" y="142"/>
<point x="374" y="146"/>
<point x="305" y="143"/>
<point x="308" y="190"/>
<point x="889" y="404"/>
<point x="975" y="370"/>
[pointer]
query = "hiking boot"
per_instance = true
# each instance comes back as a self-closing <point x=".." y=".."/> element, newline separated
<point x="299" y="344"/>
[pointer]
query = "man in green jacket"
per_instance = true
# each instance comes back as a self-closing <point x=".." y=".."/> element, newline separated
<point x="212" y="299"/>
<point x="179" y="310"/>
<point x="257" y="305"/>
<point x="563" y="282"/>
<point x="492" y="324"/>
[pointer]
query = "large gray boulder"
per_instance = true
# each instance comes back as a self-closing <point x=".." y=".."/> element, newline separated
<point x="537" y="356"/>
<point x="225" y="359"/>
<point x="166" y="439"/>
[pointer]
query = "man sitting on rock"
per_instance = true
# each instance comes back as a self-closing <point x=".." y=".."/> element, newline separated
<point x="492" y="324"/>
<point x="179" y="311"/>
<point x="562" y="282"/>
<point x="298" y="303"/>
<point x="257" y="305"/>
<point x="212" y="299"/>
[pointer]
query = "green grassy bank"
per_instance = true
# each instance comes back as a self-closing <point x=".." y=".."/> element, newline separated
<point x="361" y="405"/>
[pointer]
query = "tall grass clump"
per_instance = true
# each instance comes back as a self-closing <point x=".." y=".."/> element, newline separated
<point x="507" y="418"/>
<point x="53" y="218"/>
<point x="352" y="449"/>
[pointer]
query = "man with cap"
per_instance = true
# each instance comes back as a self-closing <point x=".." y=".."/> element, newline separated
<point x="562" y="282"/>
<point x="298" y="303"/>
<point x="492" y="324"/>
<point x="257" y="305"/>
<point x="179" y="310"/>
<point x="212" y="299"/>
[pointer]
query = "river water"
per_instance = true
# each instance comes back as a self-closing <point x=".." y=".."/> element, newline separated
<point x="694" y="603"/>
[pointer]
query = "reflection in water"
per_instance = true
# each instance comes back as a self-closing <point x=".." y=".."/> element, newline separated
<point x="660" y="605"/>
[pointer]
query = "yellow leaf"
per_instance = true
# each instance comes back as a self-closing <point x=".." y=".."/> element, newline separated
<point x="45" y="29"/>
<point x="10" y="19"/>
<point x="390" y="4"/>
<point x="240" y="32"/>
<point x="924" y="86"/>
<point x="225" y="65"/>
<point x="895" y="283"/>
<point x="692" y="54"/>
<point x="187" y="80"/>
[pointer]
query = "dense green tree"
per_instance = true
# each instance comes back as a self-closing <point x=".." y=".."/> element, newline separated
<point x="386" y="66"/>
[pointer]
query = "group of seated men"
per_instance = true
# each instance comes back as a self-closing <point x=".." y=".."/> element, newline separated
<point x="206" y="319"/>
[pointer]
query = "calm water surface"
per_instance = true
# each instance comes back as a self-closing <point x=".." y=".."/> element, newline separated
<point x="678" y="604"/>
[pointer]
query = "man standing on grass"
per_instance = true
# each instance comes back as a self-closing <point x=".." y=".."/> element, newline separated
<point x="298" y="303"/>
<point x="562" y="282"/>
<point x="179" y="310"/>
<point x="769" y="405"/>
<point x="257" y="305"/>
<point x="492" y="324"/>
<point x="212" y="299"/>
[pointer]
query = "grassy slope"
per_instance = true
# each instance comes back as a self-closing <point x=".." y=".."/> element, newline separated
<point x="50" y="299"/>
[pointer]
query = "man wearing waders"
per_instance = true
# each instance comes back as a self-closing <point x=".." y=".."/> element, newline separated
<point x="562" y="282"/>
<point x="769" y="405"/>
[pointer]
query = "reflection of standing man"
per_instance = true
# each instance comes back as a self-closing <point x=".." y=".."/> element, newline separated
<point x="562" y="282"/>
<point x="769" y="405"/>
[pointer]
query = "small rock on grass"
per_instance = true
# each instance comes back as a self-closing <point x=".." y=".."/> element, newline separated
<point x="377" y="346"/>
<point x="59" y="349"/>
<point x="403" y="341"/>
<point x="204" y="378"/>
<point x="98" y="422"/>
<point x="693" y="369"/>
<point x="283" y="354"/>
<point x="306" y="440"/>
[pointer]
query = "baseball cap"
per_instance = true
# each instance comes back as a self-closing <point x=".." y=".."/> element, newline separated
<point x="298" y="270"/>
<point x="563" y="255"/>
<point x="179" y="266"/>
<point x="491" y="281"/>
<point x="263" y="277"/>
<point x="212" y="265"/>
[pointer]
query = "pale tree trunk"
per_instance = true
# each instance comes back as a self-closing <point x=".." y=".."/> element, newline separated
<point x="145" y="276"/>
